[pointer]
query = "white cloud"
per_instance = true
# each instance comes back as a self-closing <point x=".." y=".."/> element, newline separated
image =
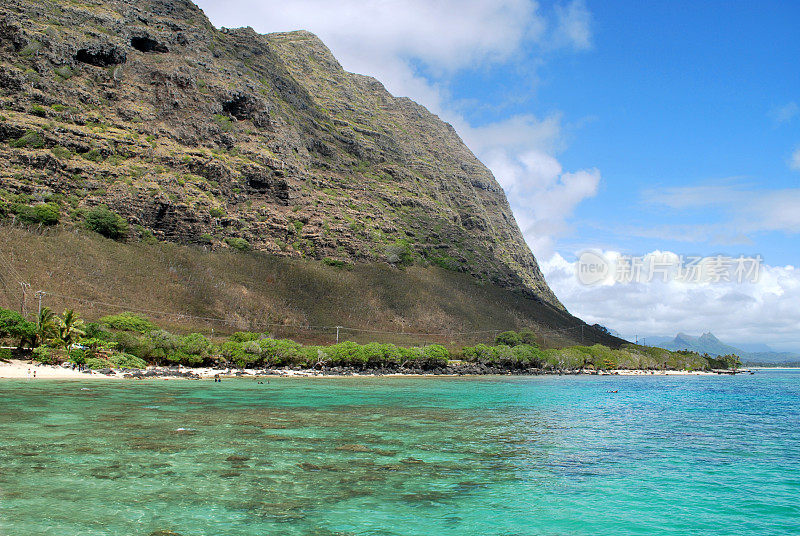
<point x="785" y="113"/>
<point x="716" y="193"/>
<point x="747" y="209"/>
<point x="391" y="39"/>
<point x="574" y="25"/>
<point x="765" y="311"/>
<point x="519" y="151"/>
<point x="794" y="163"/>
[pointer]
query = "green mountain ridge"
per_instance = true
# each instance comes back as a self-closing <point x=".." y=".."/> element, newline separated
<point x="203" y="136"/>
<point x="227" y="139"/>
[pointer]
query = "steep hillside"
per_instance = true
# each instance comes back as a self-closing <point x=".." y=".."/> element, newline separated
<point x="218" y="137"/>
<point x="187" y="288"/>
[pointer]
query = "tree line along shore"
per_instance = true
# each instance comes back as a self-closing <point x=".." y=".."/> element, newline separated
<point x="130" y="341"/>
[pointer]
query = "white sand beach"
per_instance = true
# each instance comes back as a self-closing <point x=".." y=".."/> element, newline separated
<point x="20" y="370"/>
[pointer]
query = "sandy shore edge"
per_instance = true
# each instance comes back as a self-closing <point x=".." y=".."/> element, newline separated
<point x="25" y="370"/>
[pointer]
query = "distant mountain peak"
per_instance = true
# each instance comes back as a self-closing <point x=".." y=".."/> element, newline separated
<point x="708" y="343"/>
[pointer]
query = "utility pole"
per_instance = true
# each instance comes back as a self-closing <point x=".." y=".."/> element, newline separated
<point x="25" y="288"/>
<point x="337" y="334"/>
<point x="39" y="295"/>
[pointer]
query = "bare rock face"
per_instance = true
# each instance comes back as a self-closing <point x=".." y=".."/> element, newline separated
<point x="201" y="135"/>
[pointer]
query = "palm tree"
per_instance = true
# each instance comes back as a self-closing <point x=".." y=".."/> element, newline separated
<point x="70" y="328"/>
<point x="46" y="326"/>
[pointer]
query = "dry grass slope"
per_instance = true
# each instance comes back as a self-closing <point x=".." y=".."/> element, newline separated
<point x="255" y="291"/>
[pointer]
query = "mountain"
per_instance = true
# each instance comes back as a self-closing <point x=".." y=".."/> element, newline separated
<point x="753" y="347"/>
<point x="707" y="343"/>
<point x="225" y="139"/>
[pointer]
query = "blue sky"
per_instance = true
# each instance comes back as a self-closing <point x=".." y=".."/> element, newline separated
<point x="624" y="127"/>
<point x="677" y="94"/>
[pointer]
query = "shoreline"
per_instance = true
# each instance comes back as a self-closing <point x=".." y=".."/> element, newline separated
<point x="20" y="370"/>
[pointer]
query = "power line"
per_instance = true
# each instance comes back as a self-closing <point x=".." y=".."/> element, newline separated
<point x="302" y="327"/>
<point x="11" y="268"/>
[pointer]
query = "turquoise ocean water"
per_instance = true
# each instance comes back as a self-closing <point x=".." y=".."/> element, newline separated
<point x="403" y="456"/>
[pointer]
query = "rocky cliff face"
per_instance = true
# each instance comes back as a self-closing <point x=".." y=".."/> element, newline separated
<point x="228" y="137"/>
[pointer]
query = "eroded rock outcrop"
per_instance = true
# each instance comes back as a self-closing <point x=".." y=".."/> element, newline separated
<point x="201" y="135"/>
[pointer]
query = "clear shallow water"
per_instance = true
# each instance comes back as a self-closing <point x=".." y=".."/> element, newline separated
<point x="403" y="456"/>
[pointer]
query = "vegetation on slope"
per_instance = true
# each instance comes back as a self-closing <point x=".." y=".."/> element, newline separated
<point x="131" y="341"/>
<point x="189" y="288"/>
<point x="231" y="139"/>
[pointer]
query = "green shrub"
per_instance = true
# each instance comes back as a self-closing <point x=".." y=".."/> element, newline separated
<point x="508" y="338"/>
<point x="62" y="153"/>
<point x="38" y="110"/>
<point x="444" y="261"/>
<point x="400" y="253"/>
<point x="132" y="342"/>
<point x="347" y="354"/>
<point x="233" y="352"/>
<point x="478" y="353"/>
<point x="280" y="352"/>
<point x="238" y="243"/>
<point x="44" y="355"/>
<point x="435" y="355"/>
<point x="528" y="337"/>
<point x="64" y="72"/>
<point x="525" y="355"/>
<point x="77" y="356"/>
<point x="15" y="326"/>
<point x="129" y="322"/>
<point x="93" y="156"/>
<point x="107" y="223"/>
<point x="5" y="354"/>
<point x="410" y="356"/>
<point x="247" y="353"/>
<point x="216" y="212"/>
<point x="161" y="345"/>
<point x="30" y="139"/>
<point x="9" y="320"/>
<point x="44" y="213"/>
<point x="146" y="236"/>
<point x="193" y="349"/>
<point x="95" y="363"/>
<point x="95" y="330"/>
<point x="126" y="361"/>
<point x="31" y="48"/>
<point x="520" y="356"/>
<point x="245" y="336"/>
<point x="223" y="122"/>
<point x="336" y="263"/>
<point x="377" y="354"/>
